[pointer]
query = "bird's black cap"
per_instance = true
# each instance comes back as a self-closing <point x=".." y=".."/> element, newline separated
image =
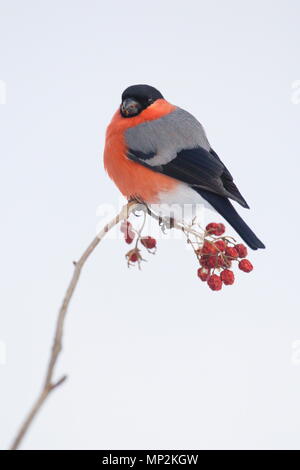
<point x="142" y="93"/>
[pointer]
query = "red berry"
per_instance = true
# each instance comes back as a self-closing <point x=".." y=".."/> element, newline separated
<point x="220" y="261"/>
<point x="226" y="263"/>
<point x="227" y="277"/>
<point x="231" y="252"/>
<point x="221" y="245"/>
<point x="217" y="261"/>
<point x="220" y="230"/>
<point x="129" y="234"/>
<point x="245" y="265"/>
<point x="148" y="242"/>
<point x="125" y="226"/>
<point x="133" y="256"/>
<point x="212" y="227"/>
<point x="203" y="273"/>
<point x="215" y="282"/>
<point x="209" y="248"/>
<point x="242" y="250"/>
<point x="204" y="261"/>
<point x="129" y="239"/>
<point x="212" y="262"/>
<point x="215" y="229"/>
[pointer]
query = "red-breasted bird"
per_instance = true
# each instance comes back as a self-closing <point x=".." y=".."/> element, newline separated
<point x="159" y="153"/>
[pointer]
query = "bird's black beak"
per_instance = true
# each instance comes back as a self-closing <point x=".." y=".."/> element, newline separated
<point x="130" y="107"/>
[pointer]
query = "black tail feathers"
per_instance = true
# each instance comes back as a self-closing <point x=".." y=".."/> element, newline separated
<point x="226" y="209"/>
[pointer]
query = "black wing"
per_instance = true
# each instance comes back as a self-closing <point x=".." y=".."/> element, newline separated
<point x="197" y="167"/>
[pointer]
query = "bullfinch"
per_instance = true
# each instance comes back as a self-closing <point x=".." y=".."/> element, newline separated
<point x="158" y="153"/>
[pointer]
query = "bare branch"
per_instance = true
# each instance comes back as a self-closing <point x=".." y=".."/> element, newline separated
<point x="49" y="385"/>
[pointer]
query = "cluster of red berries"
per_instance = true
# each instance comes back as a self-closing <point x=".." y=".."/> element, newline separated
<point x="217" y="254"/>
<point x="134" y="255"/>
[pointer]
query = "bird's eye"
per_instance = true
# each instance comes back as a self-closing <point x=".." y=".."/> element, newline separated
<point x="150" y="100"/>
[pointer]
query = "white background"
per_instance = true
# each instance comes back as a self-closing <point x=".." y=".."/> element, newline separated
<point x="154" y="358"/>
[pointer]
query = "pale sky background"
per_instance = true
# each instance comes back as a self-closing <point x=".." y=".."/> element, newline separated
<point x="154" y="358"/>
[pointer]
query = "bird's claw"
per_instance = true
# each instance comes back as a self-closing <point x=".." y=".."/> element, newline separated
<point x="135" y="212"/>
<point x="140" y="208"/>
<point x="166" y="223"/>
